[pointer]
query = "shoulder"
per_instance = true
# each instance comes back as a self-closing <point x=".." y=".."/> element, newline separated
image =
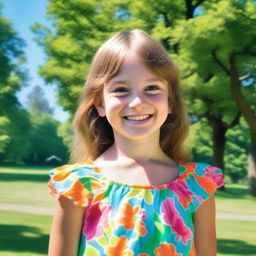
<point x="74" y="171"/>
<point x="206" y="175"/>
<point x="201" y="180"/>
<point x="76" y="181"/>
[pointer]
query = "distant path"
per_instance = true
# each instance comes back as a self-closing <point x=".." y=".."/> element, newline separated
<point x="50" y="210"/>
<point x="41" y="210"/>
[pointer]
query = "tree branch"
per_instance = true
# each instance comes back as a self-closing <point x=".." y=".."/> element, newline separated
<point x="208" y="77"/>
<point x="241" y="78"/>
<point x="198" y="3"/>
<point x="218" y="61"/>
<point x="190" y="8"/>
<point x="167" y="21"/>
<point x="235" y="121"/>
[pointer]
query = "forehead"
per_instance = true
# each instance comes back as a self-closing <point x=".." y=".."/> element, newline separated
<point x="133" y="68"/>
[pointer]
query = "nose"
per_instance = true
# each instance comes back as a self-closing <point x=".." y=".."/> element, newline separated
<point x="137" y="101"/>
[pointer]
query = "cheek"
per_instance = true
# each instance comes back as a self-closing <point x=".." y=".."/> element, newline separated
<point x="160" y="99"/>
<point x="113" y="104"/>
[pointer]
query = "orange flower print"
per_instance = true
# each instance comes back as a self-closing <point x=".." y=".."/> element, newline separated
<point x="131" y="217"/>
<point x="166" y="249"/>
<point x="193" y="250"/>
<point x="79" y="194"/>
<point x="61" y="173"/>
<point x="119" y="247"/>
<point x="190" y="168"/>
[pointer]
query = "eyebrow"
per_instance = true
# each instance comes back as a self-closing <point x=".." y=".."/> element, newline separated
<point x="147" y="81"/>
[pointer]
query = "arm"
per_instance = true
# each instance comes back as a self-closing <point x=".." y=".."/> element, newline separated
<point x="66" y="228"/>
<point x="205" y="232"/>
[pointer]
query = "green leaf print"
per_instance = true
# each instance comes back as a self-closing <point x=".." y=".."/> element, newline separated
<point x="140" y="193"/>
<point x="102" y="241"/>
<point x="86" y="183"/>
<point x="148" y="196"/>
<point x="92" y="251"/>
<point x="160" y="227"/>
<point x="134" y="193"/>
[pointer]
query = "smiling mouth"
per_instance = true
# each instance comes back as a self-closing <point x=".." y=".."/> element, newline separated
<point x="138" y="118"/>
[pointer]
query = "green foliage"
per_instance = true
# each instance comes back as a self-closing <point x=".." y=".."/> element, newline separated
<point x="14" y="121"/>
<point x="4" y="137"/>
<point x="17" y="128"/>
<point x="10" y="50"/>
<point x="200" y="141"/>
<point x="65" y="132"/>
<point x="237" y="149"/>
<point x="44" y="140"/>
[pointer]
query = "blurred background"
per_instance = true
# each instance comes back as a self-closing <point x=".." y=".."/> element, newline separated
<point x="46" y="48"/>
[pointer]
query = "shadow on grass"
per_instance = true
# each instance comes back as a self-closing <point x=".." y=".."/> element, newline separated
<point x="233" y="193"/>
<point x="19" y="238"/>
<point x="23" y="177"/>
<point x="233" y="247"/>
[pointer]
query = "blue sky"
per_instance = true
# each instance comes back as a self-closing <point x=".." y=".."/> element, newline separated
<point x="23" y="14"/>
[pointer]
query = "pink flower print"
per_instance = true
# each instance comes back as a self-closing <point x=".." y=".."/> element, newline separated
<point x="217" y="178"/>
<point x="96" y="219"/>
<point x="172" y="218"/>
<point x="181" y="190"/>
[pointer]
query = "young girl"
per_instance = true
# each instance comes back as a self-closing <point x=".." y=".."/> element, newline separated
<point x="132" y="192"/>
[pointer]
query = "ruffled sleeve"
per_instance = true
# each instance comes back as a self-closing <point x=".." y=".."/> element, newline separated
<point x="66" y="181"/>
<point x="204" y="182"/>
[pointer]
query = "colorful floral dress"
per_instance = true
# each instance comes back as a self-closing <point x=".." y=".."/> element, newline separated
<point x="136" y="220"/>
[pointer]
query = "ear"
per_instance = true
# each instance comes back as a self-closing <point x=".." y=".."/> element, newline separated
<point x="101" y="110"/>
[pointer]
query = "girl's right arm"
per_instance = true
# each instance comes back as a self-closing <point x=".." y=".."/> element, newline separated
<point x="66" y="228"/>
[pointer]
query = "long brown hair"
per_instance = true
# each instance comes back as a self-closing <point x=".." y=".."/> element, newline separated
<point x="92" y="133"/>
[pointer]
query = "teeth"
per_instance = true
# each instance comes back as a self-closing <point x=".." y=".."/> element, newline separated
<point x="137" y="118"/>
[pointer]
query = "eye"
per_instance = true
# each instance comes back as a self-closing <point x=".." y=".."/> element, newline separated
<point x="152" y="88"/>
<point x="120" y="90"/>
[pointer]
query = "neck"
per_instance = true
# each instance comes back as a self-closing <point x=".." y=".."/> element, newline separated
<point x="139" y="150"/>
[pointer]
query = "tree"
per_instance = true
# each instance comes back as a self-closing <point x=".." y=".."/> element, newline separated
<point x="236" y="148"/>
<point x="226" y="47"/>
<point x="14" y="121"/>
<point x="36" y="102"/>
<point x="44" y="140"/>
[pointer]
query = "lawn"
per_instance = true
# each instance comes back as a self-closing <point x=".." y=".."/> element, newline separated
<point x="235" y="200"/>
<point x="23" y="234"/>
<point x="236" y="238"/>
<point x="25" y="186"/>
<point x="27" y="234"/>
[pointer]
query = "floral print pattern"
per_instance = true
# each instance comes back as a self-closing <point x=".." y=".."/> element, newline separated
<point x="136" y="220"/>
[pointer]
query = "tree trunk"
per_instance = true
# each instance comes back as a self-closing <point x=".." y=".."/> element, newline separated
<point x="219" y="139"/>
<point x="250" y="118"/>
<point x="252" y="167"/>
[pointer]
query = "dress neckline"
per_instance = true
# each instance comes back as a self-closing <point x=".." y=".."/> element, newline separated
<point x="97" y="170"/>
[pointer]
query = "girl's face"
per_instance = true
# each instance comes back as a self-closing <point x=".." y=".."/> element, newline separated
<point x="135" y="101"/>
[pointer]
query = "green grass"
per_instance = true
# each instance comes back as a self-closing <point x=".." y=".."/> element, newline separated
<point x="236" y="238"/>
<point x="25" y="186"/>
<point x="235" y="200"/>
<point x="24" y="234"/>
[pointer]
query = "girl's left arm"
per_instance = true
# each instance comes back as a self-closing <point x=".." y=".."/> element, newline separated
<point x="205" y="231"/>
